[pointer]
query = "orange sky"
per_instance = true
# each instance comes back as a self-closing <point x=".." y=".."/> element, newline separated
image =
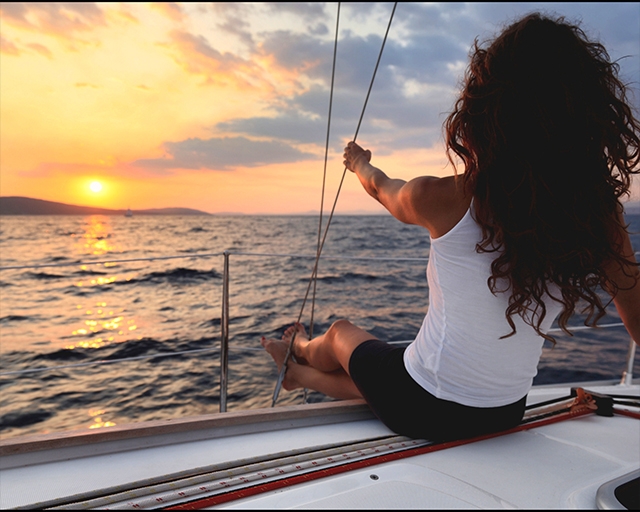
<point x="221" y="107"/>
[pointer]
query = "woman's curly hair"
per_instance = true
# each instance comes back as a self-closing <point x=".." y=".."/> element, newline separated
<point x="549" y="144"/>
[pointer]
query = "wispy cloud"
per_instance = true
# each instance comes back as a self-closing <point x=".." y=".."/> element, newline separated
<point x="8" y="47"/>
<point x="41" y="49"/>
<point x="86" y="84"/>
<point x="232" y="18"/>
<point x="254" y="77"/>
<point x="171" y="10"/>
<point x="221" y="154"/>
<point x="417" y="81"/>
<point x="196" y="56"/>
<point x="62" y="20"/>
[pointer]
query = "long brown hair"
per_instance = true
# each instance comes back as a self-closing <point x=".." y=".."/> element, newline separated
<point x="549" y="143"/>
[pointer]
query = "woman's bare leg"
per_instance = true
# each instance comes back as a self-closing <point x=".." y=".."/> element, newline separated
<point x="336" y="384"/>
<point x="332" y="350"/>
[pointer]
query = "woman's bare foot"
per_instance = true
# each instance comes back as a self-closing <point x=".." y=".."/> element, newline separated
<point x="278" y="351"/>
<point x="300" y="335"/>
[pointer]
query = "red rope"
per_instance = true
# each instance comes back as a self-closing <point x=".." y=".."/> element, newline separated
<point x="624" y="412"/>
<point x="298" y="479"/>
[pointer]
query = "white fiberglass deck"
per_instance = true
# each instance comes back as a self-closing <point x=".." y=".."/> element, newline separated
<point x="556" y="466"/>
<point x="560" y="465"/>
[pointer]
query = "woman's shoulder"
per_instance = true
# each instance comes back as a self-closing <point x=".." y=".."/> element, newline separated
<point x="440" y="203"/>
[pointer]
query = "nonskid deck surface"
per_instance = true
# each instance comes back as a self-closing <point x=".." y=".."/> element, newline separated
<point x="560" y="465"/>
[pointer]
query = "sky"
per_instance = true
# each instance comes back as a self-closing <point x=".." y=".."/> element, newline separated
<point x="224" y="107"/>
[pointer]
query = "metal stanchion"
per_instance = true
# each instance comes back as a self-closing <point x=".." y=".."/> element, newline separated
<point x="224" y="335"/>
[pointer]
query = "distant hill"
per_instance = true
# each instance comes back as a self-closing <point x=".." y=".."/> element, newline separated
<point x="15" y="205"/>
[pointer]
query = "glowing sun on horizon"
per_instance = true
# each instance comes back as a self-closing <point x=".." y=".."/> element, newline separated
<point x="95" y="186"/>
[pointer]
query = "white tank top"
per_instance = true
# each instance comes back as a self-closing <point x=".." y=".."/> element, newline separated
<point x="458" y="354"/>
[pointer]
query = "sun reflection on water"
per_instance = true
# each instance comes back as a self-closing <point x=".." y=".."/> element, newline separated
<point x="102" y="321"/>
<point x="96" y="415"/>
<point x="95" y="239"/>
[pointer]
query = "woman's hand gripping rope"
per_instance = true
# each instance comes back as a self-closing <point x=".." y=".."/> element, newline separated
<point x="353" y="155"/>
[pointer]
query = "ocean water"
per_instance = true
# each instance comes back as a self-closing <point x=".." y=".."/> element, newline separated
<point x="100" y="302"/>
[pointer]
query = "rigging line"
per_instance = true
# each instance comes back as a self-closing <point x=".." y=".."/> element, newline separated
<point x="283" y="369"/>
<point x="324" y="173"/>
<point x="324" y="177"/>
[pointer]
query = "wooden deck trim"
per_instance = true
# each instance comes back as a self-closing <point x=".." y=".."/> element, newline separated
<point x="204" y="426"/>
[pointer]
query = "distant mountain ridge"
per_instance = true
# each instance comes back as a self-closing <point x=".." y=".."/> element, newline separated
<point x="16" y="205"/>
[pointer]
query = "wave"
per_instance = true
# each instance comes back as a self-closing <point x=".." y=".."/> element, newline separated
<point x="85" y="272"/>
<point x="145" y="346"/>
<point x="57" y="259"/>
<point x="63" y="354"/>
<point x="44" y="275"/>
<point x="175" y="275"/>
<point x="23" y="418"/>
<point x="214" y="322"/>
<point x="347" y="276"/>
<point x="14" y="318"/>
<point x="22" y="359"/>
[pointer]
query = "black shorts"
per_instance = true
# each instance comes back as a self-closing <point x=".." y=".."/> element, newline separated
<point x="404" y="406"/>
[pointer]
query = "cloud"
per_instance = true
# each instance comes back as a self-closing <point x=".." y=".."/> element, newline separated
<point x="289" y="125"/>
<point x="10" y="48"/>
<point x="49" y="169"/>
<point x="412" y="89"/>
<point x="215" y="154"/>
<point x="62" y="20"/>
<point x="221" y="154"/>
<point x="7" y="47"/>
<point x="418" y="79"/>
<point x="232" y="19"/>
<point x="41" y="49"/>
<point x="311" y="12"/>
<point x="169" y="9"/>
<point x="196" y="56"/>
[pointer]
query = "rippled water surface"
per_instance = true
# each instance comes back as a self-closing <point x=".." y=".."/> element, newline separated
<point x="77" y="312"/>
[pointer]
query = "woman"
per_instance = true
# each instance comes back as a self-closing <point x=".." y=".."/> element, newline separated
<point x="531" y="231"/>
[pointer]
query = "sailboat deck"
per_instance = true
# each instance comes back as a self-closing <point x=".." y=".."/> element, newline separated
<point x="559" y="465"/>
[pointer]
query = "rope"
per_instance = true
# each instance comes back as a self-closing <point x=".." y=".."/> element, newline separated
<point x="283" y="370"/>
<point x="581" y="406"/>
<point x="324" y="173"/>
<point x="227" y="476"/>
<point x="226" y="481"/>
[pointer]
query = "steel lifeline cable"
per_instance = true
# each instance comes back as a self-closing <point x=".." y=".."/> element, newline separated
<point x="314" y="272"/>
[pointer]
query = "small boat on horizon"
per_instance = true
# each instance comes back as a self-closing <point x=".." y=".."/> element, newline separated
<point x="128" y="213"/>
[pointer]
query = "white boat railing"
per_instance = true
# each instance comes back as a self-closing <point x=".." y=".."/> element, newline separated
<point x="627" y="374"/>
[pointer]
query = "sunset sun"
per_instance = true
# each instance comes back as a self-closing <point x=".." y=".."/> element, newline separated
<point x="95" y="186"/>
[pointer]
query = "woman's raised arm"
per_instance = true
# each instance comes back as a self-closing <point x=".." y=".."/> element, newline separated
<point x="436" y="204"/>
